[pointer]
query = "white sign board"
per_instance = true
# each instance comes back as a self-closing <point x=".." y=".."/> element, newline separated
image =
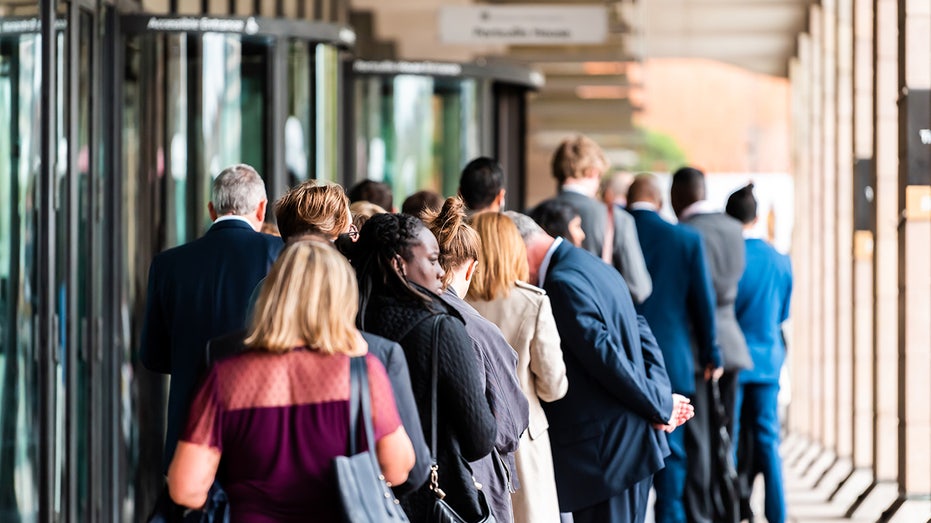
<point x="523" y="24"/>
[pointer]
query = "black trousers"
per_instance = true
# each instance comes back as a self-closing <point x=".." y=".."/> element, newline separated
<point x="628" y="507"/>
<point x="700" y="483"/>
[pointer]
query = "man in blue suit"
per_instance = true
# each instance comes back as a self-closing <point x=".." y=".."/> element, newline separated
<point x="199" y="290"/>
<point x="605" y="433"/>
<point x="762" y="306"/>
<point x="681" y="313"/>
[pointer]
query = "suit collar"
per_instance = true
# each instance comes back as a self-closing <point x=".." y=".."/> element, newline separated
<point x="232" y="223"/>
<point x="559" y="249"/>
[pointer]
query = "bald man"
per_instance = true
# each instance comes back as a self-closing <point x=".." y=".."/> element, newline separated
<point x="681" y="314"/>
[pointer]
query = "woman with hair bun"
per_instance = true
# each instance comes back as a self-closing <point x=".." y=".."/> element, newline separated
<point x="459" y="250"/>
<point x="523" y="313"/>
<point x="397" y="264"/>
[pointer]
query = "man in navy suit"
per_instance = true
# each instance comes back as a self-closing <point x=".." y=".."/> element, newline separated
<point x="200" y="290"/>
<point x="681" y="313"/>
<point x="605" y="433"/>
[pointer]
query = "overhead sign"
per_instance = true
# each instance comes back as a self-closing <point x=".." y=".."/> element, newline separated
<point x="203" y="24"/>
<point x="523" y="24"/>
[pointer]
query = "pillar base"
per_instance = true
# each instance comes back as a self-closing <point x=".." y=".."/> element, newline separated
<point x="856" y="484"/>
<point x="909" y="510"/>
<point x="877" y="500"/>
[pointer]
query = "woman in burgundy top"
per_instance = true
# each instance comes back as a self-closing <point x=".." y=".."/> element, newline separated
<point x="268" y="422"/>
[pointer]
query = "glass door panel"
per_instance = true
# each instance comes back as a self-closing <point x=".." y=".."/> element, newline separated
<point x="20" y="80"/>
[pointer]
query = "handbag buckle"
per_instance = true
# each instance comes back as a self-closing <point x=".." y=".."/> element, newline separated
<point x="435" y="482"/>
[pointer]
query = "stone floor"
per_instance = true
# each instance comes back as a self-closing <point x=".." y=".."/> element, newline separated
<point x="822" y="489"/>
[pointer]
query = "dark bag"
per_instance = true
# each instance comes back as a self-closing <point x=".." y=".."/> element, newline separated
<point x="365" y="496"/>
<point x="724" y="496"/>
<point x="442" y="512"/>
<point x="217" y="509"/>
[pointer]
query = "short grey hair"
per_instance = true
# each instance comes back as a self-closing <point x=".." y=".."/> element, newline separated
<point x="237" y="190"/>
<point x="525" y="225"/>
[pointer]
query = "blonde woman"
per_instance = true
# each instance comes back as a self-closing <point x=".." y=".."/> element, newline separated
<point x="276" y="415"/>
<point x="523" y="314"/>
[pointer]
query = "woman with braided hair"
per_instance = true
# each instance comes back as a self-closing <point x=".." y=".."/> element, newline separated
<point x="396" y="262"/>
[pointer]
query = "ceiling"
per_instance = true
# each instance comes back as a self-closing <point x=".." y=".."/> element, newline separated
<point x="758" y="35"/>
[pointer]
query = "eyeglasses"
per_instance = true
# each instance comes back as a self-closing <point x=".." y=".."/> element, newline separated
<point x="353" y="233"/>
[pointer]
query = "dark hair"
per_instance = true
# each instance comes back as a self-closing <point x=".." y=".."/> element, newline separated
<point x="383" y="237"/>
<point x="371" y="191"/>
<point x="481" y="181"/>
<point x="554" y="217"/>
<point x="688" y="187"/>
<point x="420" y="201"/>
<point x="741" y="204"/>
<point x="458" y="241"/>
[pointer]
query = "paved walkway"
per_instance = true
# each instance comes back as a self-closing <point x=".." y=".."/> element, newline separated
<point x="823" y="489"/>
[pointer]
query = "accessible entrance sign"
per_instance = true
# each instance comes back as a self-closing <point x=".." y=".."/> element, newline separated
<point x="523" y="24"/>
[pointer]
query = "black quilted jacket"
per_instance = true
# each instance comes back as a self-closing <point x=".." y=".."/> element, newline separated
<point x="465" y="424"/>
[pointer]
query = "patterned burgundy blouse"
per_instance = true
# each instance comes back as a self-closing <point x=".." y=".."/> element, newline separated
<point x="279" y="420"/>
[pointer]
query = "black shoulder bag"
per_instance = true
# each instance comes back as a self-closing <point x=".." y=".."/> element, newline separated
<point x="365" y="496"/>
<point x="442" y="512"/>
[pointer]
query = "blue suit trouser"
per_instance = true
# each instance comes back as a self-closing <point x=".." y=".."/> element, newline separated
<point x="629" y="506"/>
<point x="758" y="405"/>
<point x="670" y="481"/>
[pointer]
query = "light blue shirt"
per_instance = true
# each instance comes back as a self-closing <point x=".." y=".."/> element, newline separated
<point x="545" y="265"/>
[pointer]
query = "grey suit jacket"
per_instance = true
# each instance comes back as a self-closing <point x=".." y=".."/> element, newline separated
<point x="627" y="257"/>
<point x="726" y="253"/>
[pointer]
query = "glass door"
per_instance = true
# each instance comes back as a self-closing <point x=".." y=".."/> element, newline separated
<point x="20" y="81"/>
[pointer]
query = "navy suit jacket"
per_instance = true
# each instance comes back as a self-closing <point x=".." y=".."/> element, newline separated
<point x="681" y="309"/>
<point x="601" y="432"/>
<point x="391" y="355"/>
<point x="197" y="291"/>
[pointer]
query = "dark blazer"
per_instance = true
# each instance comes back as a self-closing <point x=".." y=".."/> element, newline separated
<point x="681" y="308"/>
<point x="626" y="257"/>
<point x="726" y="254"/>
<point x="602" y="437"/>
<point x="392" y="357"/>
<point x="197" y="291"/>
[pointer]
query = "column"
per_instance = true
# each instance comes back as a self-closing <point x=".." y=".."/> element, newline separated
<point x="844" y="238"/>
<point x="798" y="355"/>
<point x="914" y="140"/>
<point x="815" y="392"/>
<point x="864" y="214"/>
<point x="827" y="244"/>
<point x="885" y="255"/>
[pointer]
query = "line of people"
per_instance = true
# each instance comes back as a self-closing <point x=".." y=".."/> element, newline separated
<point x="554" y="394"/>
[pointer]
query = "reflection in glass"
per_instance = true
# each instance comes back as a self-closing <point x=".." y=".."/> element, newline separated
<point x="19" y="110"/>
<point x="416" y="132"/>
<point x="299" y="126"/>
<point x="327" y="104"/>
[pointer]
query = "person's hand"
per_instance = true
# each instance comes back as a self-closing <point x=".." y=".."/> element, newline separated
<point x="713" y="373"/>
<point x="682" y="411"/>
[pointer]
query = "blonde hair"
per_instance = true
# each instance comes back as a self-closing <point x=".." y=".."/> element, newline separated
<point x="363" y="210"/>
<point x="503" y="257"/>
<point x="576" y="155"/>
<point x="309" y="297"/>
<point x="458" y="241"/>
<point x="312" y="208"/>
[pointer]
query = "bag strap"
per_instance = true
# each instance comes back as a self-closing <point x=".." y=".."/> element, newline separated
<point x="434" y="468"/>
<point x="433" y="380"/>
<point x="360" y="404"/>
<point x="354" y="394"/>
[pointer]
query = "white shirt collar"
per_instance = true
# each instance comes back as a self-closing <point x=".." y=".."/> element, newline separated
<point x="229" y="217"/>
<point x="642" y="206"/>
<point x="699" y="207"/>
<point x="545" y="264"/>
<point x="754" y="233"/>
